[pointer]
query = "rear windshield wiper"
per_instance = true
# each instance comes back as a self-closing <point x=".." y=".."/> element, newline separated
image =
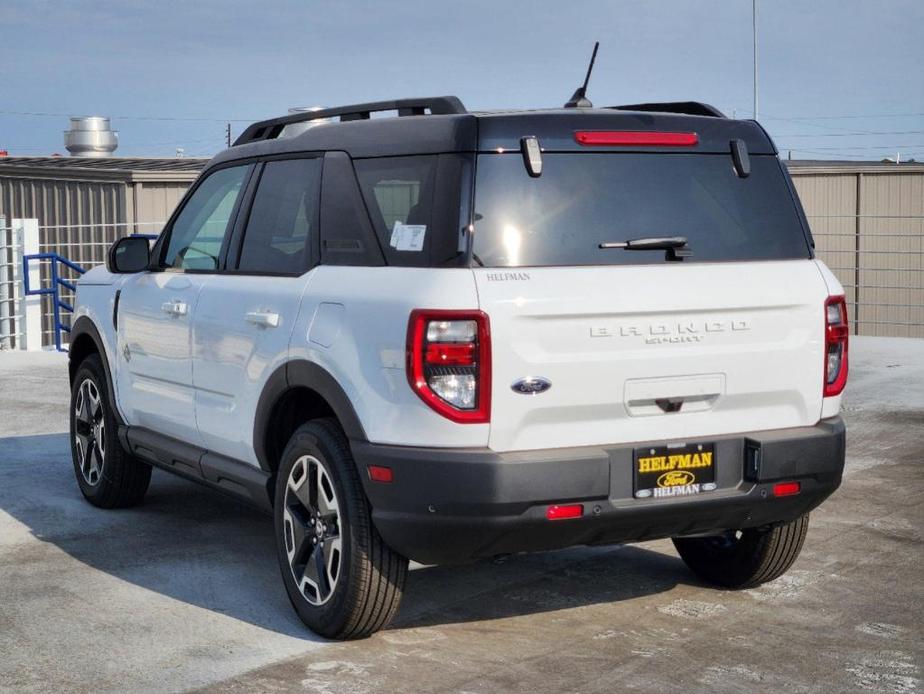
<point x="675" y="247"/>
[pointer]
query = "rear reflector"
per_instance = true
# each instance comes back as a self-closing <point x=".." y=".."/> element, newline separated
<point x="563" y="512"/>
<point x="380" y="473"/>
<point x="641" y="138"/>
<point x="786" y="488"/>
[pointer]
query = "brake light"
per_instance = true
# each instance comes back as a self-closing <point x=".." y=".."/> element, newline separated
<point x="836" y="338"/>
<point x="449" y="363"/>
<point x="639" y="138"/>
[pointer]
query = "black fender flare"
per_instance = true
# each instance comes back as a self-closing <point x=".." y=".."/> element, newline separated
<point x="301" y="373"/>
<point x="84" y="326"/>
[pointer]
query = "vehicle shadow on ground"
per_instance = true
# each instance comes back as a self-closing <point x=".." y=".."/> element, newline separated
<point x="194" y="545"/>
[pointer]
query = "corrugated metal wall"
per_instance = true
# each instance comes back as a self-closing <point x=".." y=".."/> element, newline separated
<point x="155" y="202"/>
<point x="868" y="225"/>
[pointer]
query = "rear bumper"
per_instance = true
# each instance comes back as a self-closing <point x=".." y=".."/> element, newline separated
<point x="449" y="506"/>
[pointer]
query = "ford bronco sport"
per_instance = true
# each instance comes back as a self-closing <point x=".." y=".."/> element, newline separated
<point x="446" y="336"/>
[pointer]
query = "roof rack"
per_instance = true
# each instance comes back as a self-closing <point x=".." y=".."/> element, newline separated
<point x="689" y="108"/>
<point x="272" y="128"/>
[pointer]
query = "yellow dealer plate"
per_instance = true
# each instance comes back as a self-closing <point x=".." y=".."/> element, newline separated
<point x="675" y="470"/>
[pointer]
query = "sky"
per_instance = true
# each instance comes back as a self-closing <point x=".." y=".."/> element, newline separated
<point x="838" y="79"/>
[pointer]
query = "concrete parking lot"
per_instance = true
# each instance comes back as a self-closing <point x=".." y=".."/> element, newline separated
<point x="184" y="593"/>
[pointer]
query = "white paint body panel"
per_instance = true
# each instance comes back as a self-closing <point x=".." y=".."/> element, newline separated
<point x="233" y="355"/>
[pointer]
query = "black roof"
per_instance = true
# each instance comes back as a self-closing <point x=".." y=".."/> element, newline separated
<point x="441" y="124"/>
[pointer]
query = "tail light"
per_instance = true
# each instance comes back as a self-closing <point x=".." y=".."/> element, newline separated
<point x="836" y="332"/>
<point x="449" y="363"/>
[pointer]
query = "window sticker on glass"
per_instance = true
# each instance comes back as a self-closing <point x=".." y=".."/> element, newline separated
<point x="408" y="237"/>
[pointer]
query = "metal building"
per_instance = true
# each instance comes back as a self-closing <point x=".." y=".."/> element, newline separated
<point x="868" y="223"/>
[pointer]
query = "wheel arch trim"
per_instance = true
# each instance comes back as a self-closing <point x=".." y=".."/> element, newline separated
<point x="85" y="328"/>
<point x="301" y="373"/>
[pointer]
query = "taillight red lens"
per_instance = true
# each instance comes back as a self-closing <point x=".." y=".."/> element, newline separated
<point x="640" y="138"/>
<point x="564" y="512"/>
<point x="836" y="341"/>
<point x="449" y="363"/>
<point x="786" y="488"/>
<point x="451" y="354"/>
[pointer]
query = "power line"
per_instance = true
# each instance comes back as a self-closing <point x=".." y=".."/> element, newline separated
<point x="46" y="114"/>
<point x="856" y="115"/>
<point x="855" y="134"/>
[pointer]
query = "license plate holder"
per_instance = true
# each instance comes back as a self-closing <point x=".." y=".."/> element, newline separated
<point x="673" y="470"/>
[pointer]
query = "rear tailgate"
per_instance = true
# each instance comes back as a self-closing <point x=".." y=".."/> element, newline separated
<point x="653" y="352"/>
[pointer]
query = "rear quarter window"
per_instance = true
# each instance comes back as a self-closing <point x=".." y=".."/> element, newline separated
<point x="583" y="200"/>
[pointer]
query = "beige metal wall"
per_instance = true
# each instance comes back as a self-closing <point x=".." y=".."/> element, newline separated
<point x="868" y="223"/>
<point x="154" y="202"/>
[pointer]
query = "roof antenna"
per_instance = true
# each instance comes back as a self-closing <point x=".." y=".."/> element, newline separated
<point x="579" y="98"/>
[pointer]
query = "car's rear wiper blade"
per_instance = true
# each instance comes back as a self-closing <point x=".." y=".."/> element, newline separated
<point x="676" y="247"/>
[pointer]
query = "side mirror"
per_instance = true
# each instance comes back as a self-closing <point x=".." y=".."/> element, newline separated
<point x="129" y="254"/>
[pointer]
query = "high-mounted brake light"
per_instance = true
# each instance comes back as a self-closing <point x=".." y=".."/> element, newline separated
<point x="836" y="339"/>
<point x="449" y="363"/>
<point x="639" y="138"/>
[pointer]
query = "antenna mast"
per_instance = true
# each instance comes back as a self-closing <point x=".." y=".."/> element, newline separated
<point x="579" y="98"/>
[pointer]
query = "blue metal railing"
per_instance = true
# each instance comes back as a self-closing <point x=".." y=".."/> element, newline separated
<point x="58" y="304"/>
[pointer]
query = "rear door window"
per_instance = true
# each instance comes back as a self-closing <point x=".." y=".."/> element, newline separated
<point x="282" y="226"/>
<point x="583" y="200"/>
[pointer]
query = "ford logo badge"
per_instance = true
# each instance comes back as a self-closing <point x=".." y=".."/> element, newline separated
<point x="531" y="386"/>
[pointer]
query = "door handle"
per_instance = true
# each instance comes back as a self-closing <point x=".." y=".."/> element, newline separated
<point x="175" y="308"/>
<point x="264" y="319"/>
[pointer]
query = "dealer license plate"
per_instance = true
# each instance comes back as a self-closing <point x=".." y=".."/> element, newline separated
<point x="676" y="470"/>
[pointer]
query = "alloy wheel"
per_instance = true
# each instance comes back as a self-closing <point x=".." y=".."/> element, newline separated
<point x="311" y="516"/>
<point x="90" y="432"/>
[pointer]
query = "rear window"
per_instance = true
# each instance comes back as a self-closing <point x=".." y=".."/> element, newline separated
<point x="583" y="200"/>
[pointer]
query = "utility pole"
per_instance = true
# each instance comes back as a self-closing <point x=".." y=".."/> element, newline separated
<point x="228" y="134"/>
<point x="754" y="29"/>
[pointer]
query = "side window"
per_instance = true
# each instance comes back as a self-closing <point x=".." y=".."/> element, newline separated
<point x="399" y="194"/>
<point x="200" y="229"/>
<point x="283" y="218"/>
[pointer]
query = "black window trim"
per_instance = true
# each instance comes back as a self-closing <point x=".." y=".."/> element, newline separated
<point x="239" y="229"/>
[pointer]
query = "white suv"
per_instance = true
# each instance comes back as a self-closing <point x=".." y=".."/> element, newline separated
<point x="446" y="335"/>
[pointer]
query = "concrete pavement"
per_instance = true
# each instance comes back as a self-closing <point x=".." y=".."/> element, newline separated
<point x="183" y="592"/>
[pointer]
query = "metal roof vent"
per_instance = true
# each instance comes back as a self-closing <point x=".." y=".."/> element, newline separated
<point x="91" y="136"/>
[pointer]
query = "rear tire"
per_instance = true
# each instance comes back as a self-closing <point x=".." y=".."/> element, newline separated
<point x="342" y="579"/>
<point x="107" y="475"/>
<point x="744" y="558"/>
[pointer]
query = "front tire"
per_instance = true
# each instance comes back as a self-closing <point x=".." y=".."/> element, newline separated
<point x="342" y="579"/>
<point x="107" y="475"/>
<point x="744" y="558"/>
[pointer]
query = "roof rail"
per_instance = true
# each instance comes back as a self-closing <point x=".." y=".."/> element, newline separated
<point x="689" y="108"/>
<point x="272" y="128"/>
